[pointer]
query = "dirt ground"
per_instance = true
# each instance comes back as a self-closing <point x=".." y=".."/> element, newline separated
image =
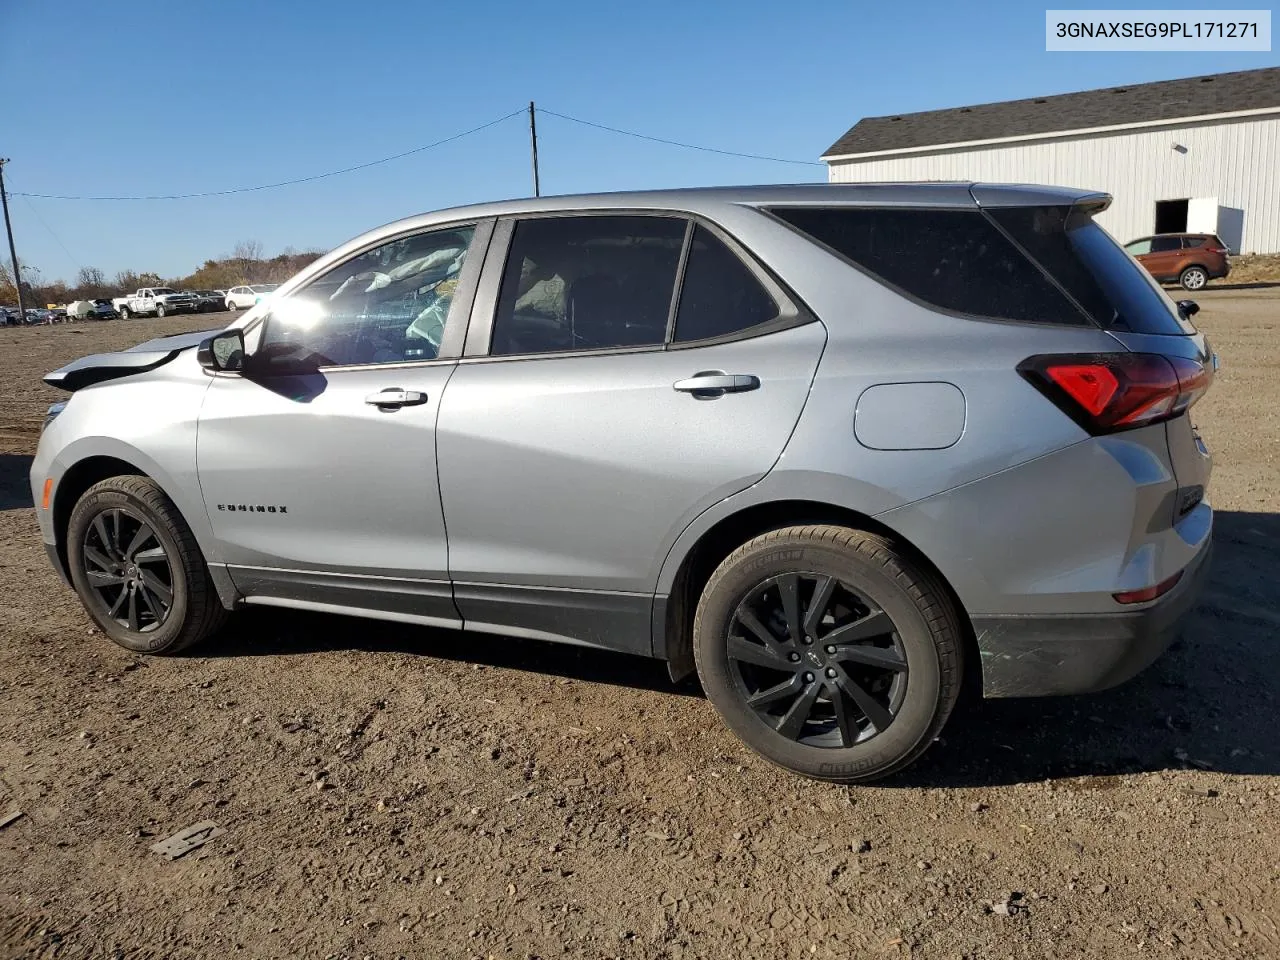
<point x="400" y="792"/>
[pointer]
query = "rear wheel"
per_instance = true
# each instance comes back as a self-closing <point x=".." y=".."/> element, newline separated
<point x="137" y="568"/>
<point x="1193" y="278"/>
<point x="828" y="651"/>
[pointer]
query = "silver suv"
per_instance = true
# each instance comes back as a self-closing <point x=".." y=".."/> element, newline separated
<point x="839" y="448"/>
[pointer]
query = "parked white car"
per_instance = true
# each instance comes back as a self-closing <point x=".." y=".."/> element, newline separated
<point x="244" y="297"/>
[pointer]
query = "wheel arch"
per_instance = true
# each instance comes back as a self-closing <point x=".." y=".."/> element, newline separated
<point x="92" y="459"/>
<point x="78" y="478"/>
<point x="673" y="616"/>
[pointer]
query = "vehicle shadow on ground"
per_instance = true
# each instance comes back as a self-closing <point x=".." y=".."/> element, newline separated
<point x="271" y="632"/>
<point x="15" y="491"/>
<point x="1212" y="702"/>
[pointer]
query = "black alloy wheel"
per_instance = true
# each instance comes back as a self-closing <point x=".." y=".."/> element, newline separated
<point x="138" y="569"/>
<point x="127" y="569"/>
<point x="817" y="661"/>
<point x="831" y="651"/>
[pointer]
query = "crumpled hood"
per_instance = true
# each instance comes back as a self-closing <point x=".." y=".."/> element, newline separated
<point x="124" y="363"/>
<point x="179" y="341"/>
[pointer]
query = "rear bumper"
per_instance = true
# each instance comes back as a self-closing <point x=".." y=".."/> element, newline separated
<point x="1040" y="656"/>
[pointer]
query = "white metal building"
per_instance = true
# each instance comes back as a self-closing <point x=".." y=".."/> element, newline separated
<point x="1199" y="155"/>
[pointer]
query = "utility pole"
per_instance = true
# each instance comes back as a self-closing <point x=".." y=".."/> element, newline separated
<point x="13" y="254"/>
<point x="533" y="142"/>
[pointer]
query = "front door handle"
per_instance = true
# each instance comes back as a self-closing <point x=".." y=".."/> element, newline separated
<point x="393" y="398"/>
<point x="716" y="383"/>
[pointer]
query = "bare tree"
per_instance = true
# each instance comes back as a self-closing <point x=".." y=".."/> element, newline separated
<point x="247" y="250"/>
<point x="91" y="278"/>
<point x="128" y="281"/>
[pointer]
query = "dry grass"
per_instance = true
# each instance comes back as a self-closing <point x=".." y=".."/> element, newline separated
<point x="1255" y="268"/>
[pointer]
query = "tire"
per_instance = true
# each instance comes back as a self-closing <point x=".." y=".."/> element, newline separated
<point x="160" y="311"/>
<point x="905" y="668"/>
<point x="1193" y="278"/>
<point x="231" y="305"/>
<point x="105" y="553"/>
<point x="125" y="314"/>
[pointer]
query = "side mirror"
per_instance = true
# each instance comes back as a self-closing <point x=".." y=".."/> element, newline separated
<point x="222" y="351"/>
<point x="1188" y="308"/>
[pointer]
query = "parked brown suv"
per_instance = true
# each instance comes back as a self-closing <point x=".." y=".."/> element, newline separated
<point x="1192" y="259"/>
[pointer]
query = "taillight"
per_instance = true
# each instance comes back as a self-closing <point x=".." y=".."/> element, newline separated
<point x="1107" y="392"/>
<point x="1148" y="593"/>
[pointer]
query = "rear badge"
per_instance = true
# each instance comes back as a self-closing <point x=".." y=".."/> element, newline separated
<point x="252" y="508"/>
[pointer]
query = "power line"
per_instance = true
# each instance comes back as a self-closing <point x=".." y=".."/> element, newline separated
<point x="58" y="240"/>
<point x="289" y="183"/>
<point x="407" y="153"/>
<point x="677" y="143"/>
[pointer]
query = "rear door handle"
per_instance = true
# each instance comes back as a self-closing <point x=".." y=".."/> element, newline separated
<point x="716" y="383"/>
<point x="393" y="398"/>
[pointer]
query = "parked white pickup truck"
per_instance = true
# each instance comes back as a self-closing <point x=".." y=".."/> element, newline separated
<point x="155" y="301"/>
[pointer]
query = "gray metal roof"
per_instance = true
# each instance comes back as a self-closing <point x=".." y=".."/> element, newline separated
<point x="708" y="199"/>
<point x="1136" y="103"/>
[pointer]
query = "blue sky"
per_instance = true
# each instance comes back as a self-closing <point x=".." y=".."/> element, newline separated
<point x="180" y="96"/>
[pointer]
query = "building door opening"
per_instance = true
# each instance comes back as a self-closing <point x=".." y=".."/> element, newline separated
<point x="1171" y="216"/>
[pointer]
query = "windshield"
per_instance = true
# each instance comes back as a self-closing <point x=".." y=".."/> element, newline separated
<point x="263" y="287"/>
<point x="1095" y="270"/>
<point x="163" y="290"/>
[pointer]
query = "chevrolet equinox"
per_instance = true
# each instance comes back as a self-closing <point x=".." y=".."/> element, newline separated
<point x="837" y="448"/>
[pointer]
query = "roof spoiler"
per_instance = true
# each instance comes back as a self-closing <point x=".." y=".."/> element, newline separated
<point x="1002" y="195"/>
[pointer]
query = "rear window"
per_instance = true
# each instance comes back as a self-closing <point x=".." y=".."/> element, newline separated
<point x="952" y="259"/>
<point x="1113" y="289"/>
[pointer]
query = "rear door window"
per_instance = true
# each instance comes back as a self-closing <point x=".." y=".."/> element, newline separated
<point x="1165" y="244"/>
<point x="1082" y="257"/>
<point x="588" y="283"/>
<point x="955" y="260"/>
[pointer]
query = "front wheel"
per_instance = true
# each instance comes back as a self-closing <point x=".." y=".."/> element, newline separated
<point x="231" y="305"/>
<point x="125" y="314"/>
<point x="829" y="651"/>
<point x="160" y="310"/>
<point x="138" y="569"/>
<point x="1193" y="278"/>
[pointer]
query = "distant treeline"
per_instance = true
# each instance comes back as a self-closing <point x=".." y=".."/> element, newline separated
<point x="245" y="264"/>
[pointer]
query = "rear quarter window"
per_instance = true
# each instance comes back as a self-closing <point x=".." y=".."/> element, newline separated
<point x="1090" y="266"/>
<point x="955" y="260"/>
<point x="720" y="295"/>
